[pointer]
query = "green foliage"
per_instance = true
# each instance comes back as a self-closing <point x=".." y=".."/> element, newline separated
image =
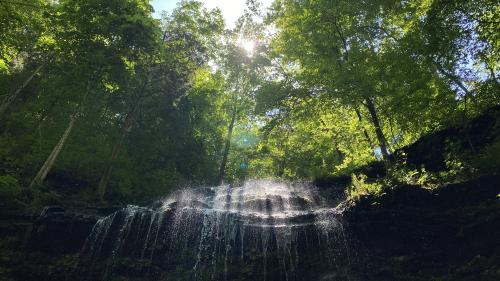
<point x="44" y="197"/>
<point x="360" y="187"/>
<point x="457" y="170"/>
<point x="179" y="101"/>
<point x="489" y="159"/>
<point x="10" y="190"/>
<point x="115" y="69"/>
<point x="395" y="56"/>
<point x="401" y="174"/>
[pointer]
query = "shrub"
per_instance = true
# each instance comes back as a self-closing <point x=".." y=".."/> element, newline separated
<point x="489" y="159"/>
<point x="359" y="187"/>
<point x="10" y="192"/>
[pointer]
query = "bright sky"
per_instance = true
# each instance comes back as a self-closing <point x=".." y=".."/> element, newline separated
<point x="231" y="9"/>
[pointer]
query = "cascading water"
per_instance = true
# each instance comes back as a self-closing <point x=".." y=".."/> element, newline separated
<point x="263" y="230"/>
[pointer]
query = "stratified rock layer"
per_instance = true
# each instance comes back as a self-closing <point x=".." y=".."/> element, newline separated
<point x="263" y="230"/>
<point x="409" y="233"/>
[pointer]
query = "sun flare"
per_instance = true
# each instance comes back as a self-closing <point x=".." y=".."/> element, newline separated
<point x="248" y="45"/>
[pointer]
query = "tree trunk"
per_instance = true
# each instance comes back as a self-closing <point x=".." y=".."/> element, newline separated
<point x="8" y="100"/>
<point x="47" y="166"/>
<point x="102" y="188"/>
<point x="281" y="168"/>
<point x="367" y="136"/>
<point x="453" y="78"/>
<point x="378" y="129"/>
<point x="493" y="75"/>
<point x="459" y="84"/>
<point x="222" y="169"/>
<point x="103" y="183"/>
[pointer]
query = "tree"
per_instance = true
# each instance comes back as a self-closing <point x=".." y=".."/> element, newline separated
<point x="187" y="34"/>
<point x="341" y="50"/>
<point x="242" y="62"/>
<point x="24" y="36"/>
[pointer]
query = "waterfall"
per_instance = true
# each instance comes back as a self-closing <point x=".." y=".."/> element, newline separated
<point x="263" y="230"/>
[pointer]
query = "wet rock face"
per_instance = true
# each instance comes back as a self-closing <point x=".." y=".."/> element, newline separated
<point x="284" y="232"/>
<point x="263" y="230"/>
<point x="56" y="231"/>
<point x="42" y="246"/>
<point x="415" y="234"/>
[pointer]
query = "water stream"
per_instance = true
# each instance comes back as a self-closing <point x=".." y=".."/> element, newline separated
<point x="263" y="230"/>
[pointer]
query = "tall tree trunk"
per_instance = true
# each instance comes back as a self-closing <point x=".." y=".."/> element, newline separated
<point x="360" y="119"/>
<point x="102" y="188"/>
<point x="281" y="168"/>
<point x="47" y="165"/>
<point x="227" y="146"/>
<point x="492" y="74"/>
<point x="8" y="100"/>
<point x="453" y="78"/>
<point x="282" y="160"/>
<point x="103" y="183"/>
<point x="382" y="141"/>
<point x="459" y="84"/>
